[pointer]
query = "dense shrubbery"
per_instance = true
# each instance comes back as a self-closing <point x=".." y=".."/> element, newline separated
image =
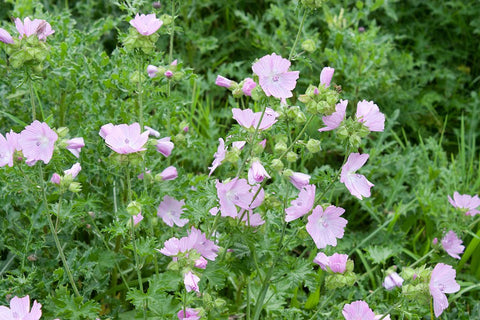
<point x="417" y="61"/>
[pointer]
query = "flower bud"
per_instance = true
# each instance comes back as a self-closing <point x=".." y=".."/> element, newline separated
<point x="313" y="146"/>
<point x="291" y="156"/>
<point x="134" y="208"/>
<point x="167" y="19"/>
<point x="277" y="165"/>
<point x="62" y="132"/>
<point x="75" y="187"/>
<point x="280" y="147"/>
<point x="308" y="45"/>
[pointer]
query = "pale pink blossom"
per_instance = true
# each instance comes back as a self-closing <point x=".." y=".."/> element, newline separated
<point x="5" y="37"/>
<point x="223" y="82"/>
<point x="326" y="76"/>
<point x="201" y="263"/>
<point x="369" y="114"/>
<point x="105" y="130"/>
<point x="189" y="314"/>
<point x="465" y="201"/>
<point x="452" y="244"/>
<point x="337" y="263"/>
<point x="152" y="132"/>
<point x="238" y="144"/>
<point x="56" y="179"/>
<point x="38" y="27"/>
<point x="442" y="281"/>
<point x="195" y="240"/>
<point x="219" y="156"/>
<point x="299" y="180"/>
<point x="37" y="142"/>
<point x="169" y="173"/>
<point x="358" y="310"/>
<point x="231" y="194"/>
<point x="7" y="150"/>
<point x="168" y="74"/>
<point x="152" y="71"/>
<point x="170" y="210"/>
<point x="302" y="204"/>
<point x="191" y="281"/>
<point x="249" y="119"/>
<point x="257" y="173"/>
<point x="20" y="310"/>
<point x="146" y="24"/>
<point x="322" y="260"/>
<point x="75" y="145"/>
<point x="137" y="218"/>
<point x="325" y="227"/>
<point x="73" y="171"/>
<point x="126" y="139"/>
<point x="248" y="86"/>
<point x="165" y="146"/>
<point x="392" y="280"/>
<point x="357" y="184"/>
<point x="274" y="77"/>
<point x="333" y="121"/>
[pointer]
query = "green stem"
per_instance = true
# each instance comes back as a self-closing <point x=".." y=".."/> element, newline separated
<point x="140" y="89"/>
<point x="297" y="137"/>
<point x="292" y="51"/>
<point x="170" y="49"/>
<point x="422" y="258"/>
<point x="54" y="233"/>
<point x="32" y="99"/>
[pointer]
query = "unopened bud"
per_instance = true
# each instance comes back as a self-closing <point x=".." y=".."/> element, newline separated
<point x="280" y="147"/>
<point x="291" y="156"/>
<point x="134" y="208"/>
<point x="313" y="146"/>
<point x="62" y="132"/>
<point x="75" y="187"/>
<point x="277" y="165"/>
<point x="308" y="45"/>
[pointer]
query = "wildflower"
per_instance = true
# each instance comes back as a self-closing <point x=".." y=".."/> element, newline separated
<point x="170" y="173"/>
<point x="201" y="263"/>
<point x="248" y="86"/>
<point x="152" y="71"/>
<point x="152" y="132"/>
<point x="333" y="121"/>
<point x="105" y="130"/>
<point x="358" y="310"/>
<point x="392" y="280"/>
<point x="219" y="156"/>
<point x="357" y="184"/>
<point x="322" y="260"/>
<point x="168" y="74"/>
<point x="170" y="210"/>
<point x="137" y="218"/>
<point x="5" y="37"/>
<point x="257" y="173"/>
<point x="191" y="281"/>
<point x="299" y="180"/>
<point x="337" y="263"/>
<point x="37" y="142"/>
<point x="195" y="240"/>
<point x="56" y="179"/>
<point x="326" y="76"/>
<point x="223" y="82"/>
<point x="75" y="145"/>
<point x="38" y="26"/>
<point x="442" y="281"/>
<point x="189" y="314"/>
<point x="126" y="139"/>
<point x="7" y="149"/>
<point x="274" y="77"/>
<point x="238" y="144"/>
<point x="165" y="146"/>
<point x="232" y="194"/>
<point x="465" y="201"/>
<point x="20" y="309"/>
<point x="248" y="119"/>
<point x="369" y="114"/>
<point x="146" y="24"/>
<point x="452" y="244"/>
<point x="326" y="226"/>
<point x="302" y="205"/>
<point x="73" y="171"/>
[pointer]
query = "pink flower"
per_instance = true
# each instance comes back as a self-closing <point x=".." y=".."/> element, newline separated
<point x="299" y="180"/>
<point x="337" y="263"/>
<point x="452" y="244"/>
<point x="37" y="142"/>
<point x="195" y="240"/>
<point x="238" y="144"/>
<point x="326" y="76"/>
<point x="126" y="139"/>
<point x="369" y="114"/>
<point x="137" y="218"/>
<point x="168" y="74"/>
<point x="257" y="173"/>
<point x="274" y="77"/>
<point x="73" y="171"/>
<point x="201" y="263"/>
<point x="223" y="82"/>
<point x="358" y="310"/>
<point x="152" y="132"/>
<point x="20" y="310"/>
<point x="170" y="173"/>
<point x="170" y="210"/>
<point x="219" y="156"/>
<point x="105" y="130"/>
<point x="248" y="119"/>
<point x="39" y="27"/>
<point x="190" y="314"/>
<point x="56" y="179"/>
<point x="392" y="280"/>
<point x="5" y="37"/>
<point x="357" y="184"/>
<point x="191" y="281"/>
<point x="7" y="148"/>
<point x="152" y="71"/>
<point x="75" y="145"/>
<point x="465" y="201"/>
<point x="302" y="205"/>
<point x="232" y="194"/>
<point x="442" y="281"/>
<point x="333" y="121"/>
<point x="146" y="24"/>
<point x="248" y="86"/>
<point x="165" y="146"/>
<point x="326" y="226"/>
<point x="322" y="260"/>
